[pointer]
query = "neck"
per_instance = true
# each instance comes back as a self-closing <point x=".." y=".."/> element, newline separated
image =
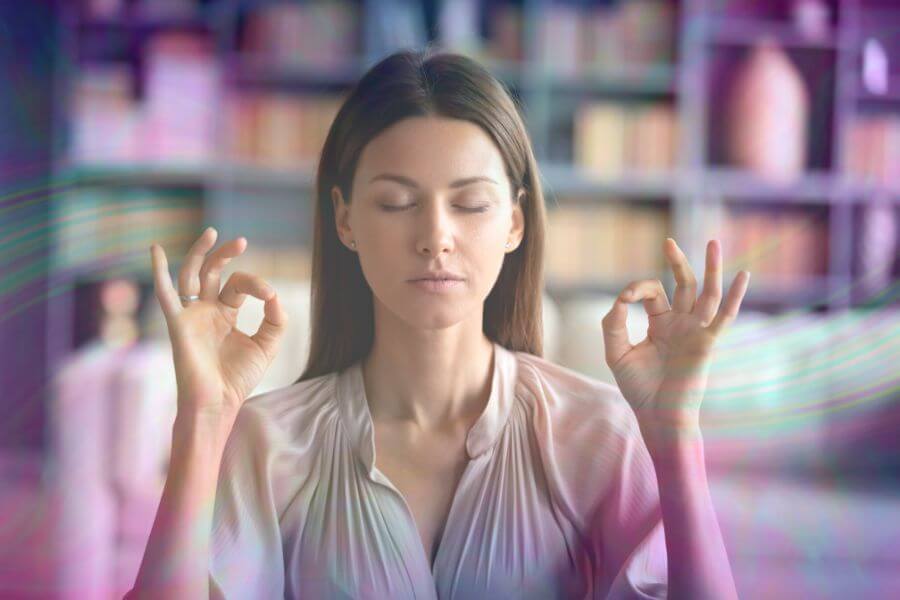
<point x="428" y="379"/>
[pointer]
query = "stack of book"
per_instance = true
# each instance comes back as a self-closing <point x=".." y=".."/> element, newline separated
<point x="873" y="145"/>
<point x="106" y="120"/>
<point x="111" y="229"/>
<point x="174" y="120"/>
<point x="637" y="33"/>
<point x="320" y="34"/>
<point x="611" y="139"/>
<point x="505" y="36"/>
<point x="278" y="130"/>
<point x="776" y="247"/>
<point x="608" y="241"/>
<point x="182" y="89"/>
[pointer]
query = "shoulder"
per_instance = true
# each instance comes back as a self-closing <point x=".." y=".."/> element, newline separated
<point x="587" y="434"/>
<point x="286" y="415"/>
<point x="568" y="396"/>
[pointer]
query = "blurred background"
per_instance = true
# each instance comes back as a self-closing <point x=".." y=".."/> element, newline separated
<point x="773" y="126"/>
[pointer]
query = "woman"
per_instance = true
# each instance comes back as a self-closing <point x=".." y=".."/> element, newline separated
<point x="498" y="473"/>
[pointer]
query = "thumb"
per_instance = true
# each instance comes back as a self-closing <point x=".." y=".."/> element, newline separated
<point x="615" y="333"/>
<point x="272" y="327"/>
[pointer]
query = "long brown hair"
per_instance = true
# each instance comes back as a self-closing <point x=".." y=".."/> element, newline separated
<point x="409" y="83"/>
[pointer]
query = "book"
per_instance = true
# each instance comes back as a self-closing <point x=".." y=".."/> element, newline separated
<point x="279" y="130"/>
<point x="181" y="98"/>
<point x="311" y="34"/>
<point x="611" y="139"/>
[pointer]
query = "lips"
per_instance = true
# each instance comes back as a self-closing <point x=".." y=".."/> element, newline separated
<point x="437" y="285"/>
<point x="439" y="276"/>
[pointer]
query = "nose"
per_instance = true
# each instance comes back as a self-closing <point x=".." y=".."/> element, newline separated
<point x="434" y="232"/>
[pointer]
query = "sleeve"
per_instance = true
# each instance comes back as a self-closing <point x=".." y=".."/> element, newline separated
<point x="246" y="559"/>
<point x="627" y="530"/>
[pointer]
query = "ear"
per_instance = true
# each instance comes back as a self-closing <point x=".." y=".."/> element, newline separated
<point x="517" y="231"/>
<point x="341" y="216"/>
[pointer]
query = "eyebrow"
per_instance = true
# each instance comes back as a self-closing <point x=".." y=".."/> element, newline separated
<point x="410" y="183"/>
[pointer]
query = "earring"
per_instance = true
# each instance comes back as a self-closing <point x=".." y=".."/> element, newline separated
<point x="353" y="244"/>
<point x="507" y="244"/>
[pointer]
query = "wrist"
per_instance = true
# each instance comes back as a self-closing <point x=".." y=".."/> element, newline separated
<point x="207" y="423"/>
<point x="663" y="436"/>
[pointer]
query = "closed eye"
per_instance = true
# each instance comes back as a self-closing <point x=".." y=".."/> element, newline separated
<point x="472" y="209"/>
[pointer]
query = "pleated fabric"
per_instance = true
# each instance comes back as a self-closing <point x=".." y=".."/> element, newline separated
<point x="558" y="500"/>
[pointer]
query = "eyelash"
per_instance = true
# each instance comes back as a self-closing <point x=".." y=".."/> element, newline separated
<point x="388" y="208"/>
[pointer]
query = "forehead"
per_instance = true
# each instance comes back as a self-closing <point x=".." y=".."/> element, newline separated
<point x="433" y="151"/>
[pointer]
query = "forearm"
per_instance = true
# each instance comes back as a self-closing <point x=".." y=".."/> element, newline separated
<point x="176" y="560"/>
<point x="698" y="566"/>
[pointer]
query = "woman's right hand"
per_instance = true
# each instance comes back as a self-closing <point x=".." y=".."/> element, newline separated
<point x="216" y="365"/>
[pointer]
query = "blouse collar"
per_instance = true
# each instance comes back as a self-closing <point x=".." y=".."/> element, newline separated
<point x="354" y="408"/>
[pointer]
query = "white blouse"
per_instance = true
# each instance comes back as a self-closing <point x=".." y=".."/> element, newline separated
<point x="559" y="499"/>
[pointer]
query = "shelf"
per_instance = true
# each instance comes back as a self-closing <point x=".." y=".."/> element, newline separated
<point x="562" y="290"/>
<point x="560" y="180"/>
<point x="260" y="70"/>
<point x="137" y="174"/>
<point x="747" y="32"/>
<point x="246" y="175"/>
<point x="892" y="96"/>
<point x="637" y="80"/>
<point x="170" y="175"/>
<point x="808" y="290"/>
<point x="802" y="290"/>
<point x="133" y="20"/>
<point x="565" y="180"/>
<point x="809" y="188"/>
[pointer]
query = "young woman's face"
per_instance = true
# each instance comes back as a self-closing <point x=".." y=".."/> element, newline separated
<point x="430" y="194"/>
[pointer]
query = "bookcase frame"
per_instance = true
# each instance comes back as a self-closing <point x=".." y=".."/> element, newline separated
<point x="694" y="192"/>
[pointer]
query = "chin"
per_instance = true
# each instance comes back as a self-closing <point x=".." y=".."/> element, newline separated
<point x="432" y="318"/>
<point x="432" y="312"/>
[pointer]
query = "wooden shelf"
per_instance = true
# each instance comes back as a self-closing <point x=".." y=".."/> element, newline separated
<point x="746" y="32"/>
<point x="809" y="188"/>
<point x="134" y="174"/>
<point x="797" y="291"/>
<point x="134" y="20"/>
<point x="569" y="180"/>
<point x="807" y="290"/>
<point x="637" y="80"/>
<point x="247" y="175"/>
<point x="261" y="70"/>
<point x="564" y="290"/>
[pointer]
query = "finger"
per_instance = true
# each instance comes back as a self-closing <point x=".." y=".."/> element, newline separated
<point x="211" y="271"/>
<point x="188" y="280"/>
<point x="732" y="304"/>
<point x="711" y="297"/>
<point x="273" y="325"/>
<point x="242" y="284"/>
<point x="686" y="283"/>
<point x="162" y="283"/>
<point x="651" y="291"/>
<point x="615" y="332"/>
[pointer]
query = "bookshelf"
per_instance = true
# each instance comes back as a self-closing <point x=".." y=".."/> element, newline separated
<point x="649" y="66"/>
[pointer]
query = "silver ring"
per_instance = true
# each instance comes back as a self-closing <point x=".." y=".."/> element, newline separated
<point x="189" y="298"/>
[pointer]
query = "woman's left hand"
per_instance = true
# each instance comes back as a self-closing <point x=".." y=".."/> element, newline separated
<point x="664" y="376"/>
